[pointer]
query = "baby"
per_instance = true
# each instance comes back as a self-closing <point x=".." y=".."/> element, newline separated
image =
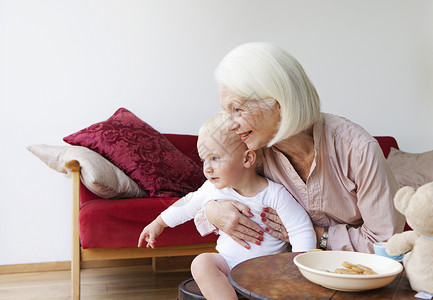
<point x="230" y="168"/>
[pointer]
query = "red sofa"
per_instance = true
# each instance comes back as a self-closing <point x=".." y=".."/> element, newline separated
<point x="109" y="229"/>
<point x="118" y="223"/>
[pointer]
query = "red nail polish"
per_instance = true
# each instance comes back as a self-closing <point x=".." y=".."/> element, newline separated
<point x="261" y="232"/>
<point x="261" y="238"/>
<point x="266" y="209"/>
<point x="262" y="215"/>
<point x="247" y="246"/>
<point x="258" y="243"/>
<point x="267" y="229"/>
<point x="263" y="219"/>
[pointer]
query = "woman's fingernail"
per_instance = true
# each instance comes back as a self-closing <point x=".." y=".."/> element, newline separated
<point x="247" y="246"/>
<point x="266" y="209"/>
<point x="261" y="238"/>
<point x="267" y="229"/>
<point x="258" y="243"/>
<point x="261" y="232"/>
<point x="262" y="215"/>
<point x="263" y="219"/>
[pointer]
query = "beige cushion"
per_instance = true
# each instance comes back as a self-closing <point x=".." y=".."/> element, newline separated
<point x="98" y="174"/>
<point x="411" y="169"/>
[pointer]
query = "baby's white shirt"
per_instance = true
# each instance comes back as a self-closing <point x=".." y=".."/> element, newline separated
<point x="294" y="217"/>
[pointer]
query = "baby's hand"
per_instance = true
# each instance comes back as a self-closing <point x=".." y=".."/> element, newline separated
<point x="146" y="236"/>
<point x="151" y="232"/>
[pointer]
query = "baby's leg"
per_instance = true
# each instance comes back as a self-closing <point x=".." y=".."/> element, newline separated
<point x="210" y="271"/>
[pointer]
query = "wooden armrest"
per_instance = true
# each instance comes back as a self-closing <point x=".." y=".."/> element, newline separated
<point x="73" y="165"/>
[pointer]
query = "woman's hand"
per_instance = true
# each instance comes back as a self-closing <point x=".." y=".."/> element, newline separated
<point x="231" y="217"/>
<point x="276" y="227"/>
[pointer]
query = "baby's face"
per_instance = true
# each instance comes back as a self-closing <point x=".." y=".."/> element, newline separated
<point x="222" y="156"/>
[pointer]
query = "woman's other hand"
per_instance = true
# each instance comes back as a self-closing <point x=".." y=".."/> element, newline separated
<point x="277" y="229"/>
<point x="231" y="217"/>
<point x="273" y="221"/>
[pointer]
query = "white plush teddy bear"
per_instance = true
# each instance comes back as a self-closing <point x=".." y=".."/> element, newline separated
<point x="417" y="206"/>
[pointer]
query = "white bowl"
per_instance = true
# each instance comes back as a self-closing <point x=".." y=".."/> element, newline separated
<point x="314" y="267"/>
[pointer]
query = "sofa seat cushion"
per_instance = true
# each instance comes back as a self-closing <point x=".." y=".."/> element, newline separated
<point x="118" y="224"/>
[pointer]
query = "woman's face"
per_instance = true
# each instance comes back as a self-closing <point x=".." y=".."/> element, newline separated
<point x="255" y="121"/>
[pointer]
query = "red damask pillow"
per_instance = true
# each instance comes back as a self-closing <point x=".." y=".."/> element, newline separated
<point x="142" y="153"/>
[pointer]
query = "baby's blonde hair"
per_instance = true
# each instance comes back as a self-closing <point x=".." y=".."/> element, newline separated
<point x="216" y="123"/>
<point x="217" y="126"/>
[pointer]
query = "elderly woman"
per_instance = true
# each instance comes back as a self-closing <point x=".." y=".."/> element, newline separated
<point x="330" y="165"/>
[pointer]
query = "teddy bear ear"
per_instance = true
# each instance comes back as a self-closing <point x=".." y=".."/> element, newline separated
<point x="402" y="198"/>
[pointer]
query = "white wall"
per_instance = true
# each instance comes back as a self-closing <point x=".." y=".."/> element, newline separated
<point x="67" y="64"/>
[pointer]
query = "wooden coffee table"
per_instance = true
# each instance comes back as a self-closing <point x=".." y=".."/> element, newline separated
<point x="277" y="277"/>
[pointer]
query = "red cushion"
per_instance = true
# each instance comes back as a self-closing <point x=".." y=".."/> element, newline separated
<point x="142" y="153"/>
<point x="187" y="144"/>
<point x="118" y="223"/>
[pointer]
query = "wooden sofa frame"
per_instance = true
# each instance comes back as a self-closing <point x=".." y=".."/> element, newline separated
<point x="80" y="255"/>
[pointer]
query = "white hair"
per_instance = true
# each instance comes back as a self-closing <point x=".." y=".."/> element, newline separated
<point x="261" y="71"/>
